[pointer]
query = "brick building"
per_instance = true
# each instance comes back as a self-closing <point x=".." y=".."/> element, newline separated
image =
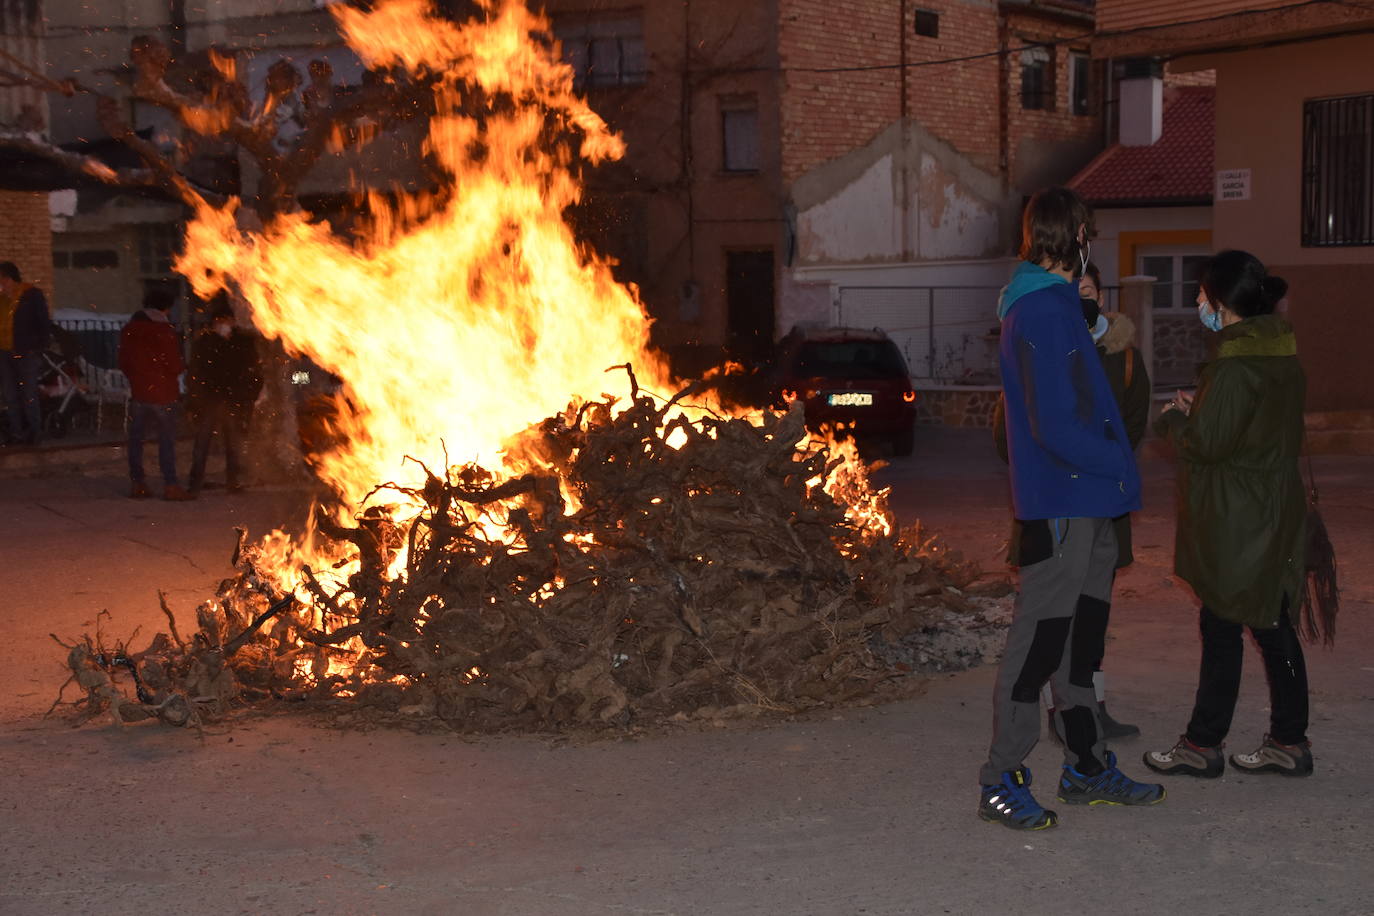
<point x="774" y="147"/>
<point x="1293" y="155"/>
<point x="112" y="243"/>
<point x="24" y="222"/>
<point x="777" y="147"/>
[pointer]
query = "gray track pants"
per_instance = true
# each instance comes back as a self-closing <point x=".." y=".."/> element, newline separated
<point x="1057" y="635"/>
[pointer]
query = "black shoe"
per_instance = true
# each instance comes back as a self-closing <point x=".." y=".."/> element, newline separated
<point x="1112" y="729"/>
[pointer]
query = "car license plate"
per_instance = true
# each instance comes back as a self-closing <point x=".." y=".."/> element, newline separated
<point x="850" y="399"/>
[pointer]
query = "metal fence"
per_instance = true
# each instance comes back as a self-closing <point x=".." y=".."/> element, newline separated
<point x="948" y="334"/>
<point x="96" y="340"/>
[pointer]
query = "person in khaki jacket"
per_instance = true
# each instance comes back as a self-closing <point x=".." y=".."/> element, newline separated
<point x="1242" y="521"/>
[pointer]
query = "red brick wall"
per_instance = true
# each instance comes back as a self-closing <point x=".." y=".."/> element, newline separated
<point x="1068" y="140"/>
<point x="825" y="115"/>
<point x="26" y="237"/>
<point x="957" y="101"/>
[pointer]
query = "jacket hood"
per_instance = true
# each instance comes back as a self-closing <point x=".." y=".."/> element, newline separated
<point x="1263" y="335"/>
<point x="1120" y="333"/>
<point x="1027" y="279"/>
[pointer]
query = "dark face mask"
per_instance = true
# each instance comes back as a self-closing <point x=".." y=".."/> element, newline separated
<point x="1091" y="311"/>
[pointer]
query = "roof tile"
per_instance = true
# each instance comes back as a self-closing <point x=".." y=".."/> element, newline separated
<point x="1175" y="169"/>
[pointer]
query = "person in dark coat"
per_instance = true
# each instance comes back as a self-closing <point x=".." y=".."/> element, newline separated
<point x="1242" y="515"/>
<point x="223" y="383"/>
<point x="1114" y="335"/>
<point x="150" y="355"/>
<point x="21" y="361"/>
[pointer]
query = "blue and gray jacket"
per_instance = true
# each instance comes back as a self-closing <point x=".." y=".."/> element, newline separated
<point x="1067" y="445"/>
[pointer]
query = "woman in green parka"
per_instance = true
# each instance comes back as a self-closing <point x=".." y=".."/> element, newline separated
<point x="1242" y="519"/>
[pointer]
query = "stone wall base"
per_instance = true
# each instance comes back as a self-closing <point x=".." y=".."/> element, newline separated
<point x="959" y="409"/>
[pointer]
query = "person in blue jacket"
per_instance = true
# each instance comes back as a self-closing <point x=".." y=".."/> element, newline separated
<point x="1072" y="471"/>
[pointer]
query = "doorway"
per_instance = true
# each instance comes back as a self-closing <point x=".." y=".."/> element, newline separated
<point x="749" y="300"/>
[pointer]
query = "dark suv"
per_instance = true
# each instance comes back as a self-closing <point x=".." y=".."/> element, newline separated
<point x="849" y="376"/>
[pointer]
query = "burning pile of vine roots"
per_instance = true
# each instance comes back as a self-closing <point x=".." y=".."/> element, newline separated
<point x="713" y="579"/>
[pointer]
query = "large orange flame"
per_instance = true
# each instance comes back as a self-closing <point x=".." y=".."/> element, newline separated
<point x="462" y="317"/>
<point x="457" y="317"/>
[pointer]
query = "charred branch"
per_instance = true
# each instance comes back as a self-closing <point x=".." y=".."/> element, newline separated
<point x="716" y="577"/>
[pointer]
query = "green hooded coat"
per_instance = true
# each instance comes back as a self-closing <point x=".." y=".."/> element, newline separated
<point x="1242" y="508"/>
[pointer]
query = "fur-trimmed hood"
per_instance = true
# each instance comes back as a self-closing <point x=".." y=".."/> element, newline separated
<point x="1120" y="333"/>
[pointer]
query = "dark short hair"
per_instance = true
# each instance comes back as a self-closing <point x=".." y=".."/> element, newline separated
<point x="1239" y="281"/>
<point x="11" y="270"/>
<point x="1095" y="275"/>
<point x="159" y="299"/>
<point x="1049" y="227"/>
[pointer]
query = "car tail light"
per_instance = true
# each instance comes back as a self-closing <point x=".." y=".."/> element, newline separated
<point x="909" y="397"/>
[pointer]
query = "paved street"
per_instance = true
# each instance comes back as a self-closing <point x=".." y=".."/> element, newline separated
<point x="856" y="811"/>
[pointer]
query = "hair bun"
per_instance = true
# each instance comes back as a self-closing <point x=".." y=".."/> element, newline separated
<point x="1273" y="289"/>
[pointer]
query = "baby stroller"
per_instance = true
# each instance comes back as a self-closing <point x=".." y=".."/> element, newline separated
<point x="63" y="393"/>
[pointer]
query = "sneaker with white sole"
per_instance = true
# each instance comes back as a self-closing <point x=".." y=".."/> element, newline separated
<point x="1272" y="757"/>
<point x="1187" y="759"/>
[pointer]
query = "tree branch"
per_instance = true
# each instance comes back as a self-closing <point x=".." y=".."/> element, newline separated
<point x="78" y="163"/>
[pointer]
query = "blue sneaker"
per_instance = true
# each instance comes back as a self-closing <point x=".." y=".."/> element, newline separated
<point x="1110" y="787"/>
<point x="1010" y="803"/>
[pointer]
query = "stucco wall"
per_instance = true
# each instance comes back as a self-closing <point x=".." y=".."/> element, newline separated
<point x="1260" y="97"/>
<point x="1145" y="225"/>
<point x="1330" y="311"/>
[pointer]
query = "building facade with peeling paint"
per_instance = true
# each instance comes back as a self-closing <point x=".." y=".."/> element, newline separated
<point x="782" y="151"/>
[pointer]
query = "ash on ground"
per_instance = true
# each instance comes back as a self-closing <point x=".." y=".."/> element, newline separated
<point x="952" y="641"/>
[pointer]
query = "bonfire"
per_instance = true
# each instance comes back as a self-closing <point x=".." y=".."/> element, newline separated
<point x="531" y="523"/>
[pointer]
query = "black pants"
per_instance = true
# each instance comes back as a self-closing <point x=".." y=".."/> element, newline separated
<point x="231" y="423"/>
<point x="1223" y="650"/>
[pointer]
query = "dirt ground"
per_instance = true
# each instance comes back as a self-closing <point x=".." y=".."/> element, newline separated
<point x="856" y="811"/>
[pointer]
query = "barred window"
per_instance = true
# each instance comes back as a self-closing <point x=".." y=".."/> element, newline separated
<point x="1338" y="172"/>
<point x="603" y="50"/>
<point x="1080" y="83"/>
<point x="1037" y="79"/>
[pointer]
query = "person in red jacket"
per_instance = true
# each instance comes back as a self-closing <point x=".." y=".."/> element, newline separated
<point x="150" y="355"/>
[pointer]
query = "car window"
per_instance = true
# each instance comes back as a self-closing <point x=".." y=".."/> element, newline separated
<point x="846" y="359"/>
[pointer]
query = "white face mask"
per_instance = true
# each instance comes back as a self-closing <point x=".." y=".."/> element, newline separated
<point x="1085" y="252"/>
